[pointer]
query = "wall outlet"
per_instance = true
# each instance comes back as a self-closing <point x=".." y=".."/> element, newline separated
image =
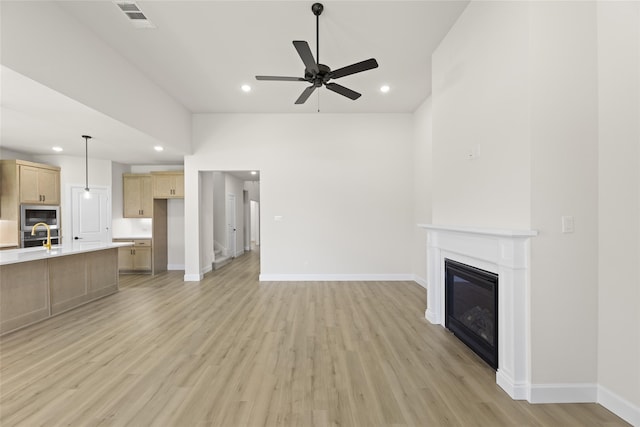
<point x="277" y="218"/>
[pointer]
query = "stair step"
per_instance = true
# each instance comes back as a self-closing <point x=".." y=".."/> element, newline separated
<point x="221" y="262"/>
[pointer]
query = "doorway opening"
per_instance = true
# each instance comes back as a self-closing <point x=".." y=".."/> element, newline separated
<point x="228" y="217"/>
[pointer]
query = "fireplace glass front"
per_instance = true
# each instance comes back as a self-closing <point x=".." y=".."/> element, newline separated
<point x="471" y="300"/>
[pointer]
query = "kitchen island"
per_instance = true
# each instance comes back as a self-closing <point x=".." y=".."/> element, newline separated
<point x="36" y="284"/>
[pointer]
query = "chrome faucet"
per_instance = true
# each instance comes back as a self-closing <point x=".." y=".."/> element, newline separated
<point x="46" y="244"/>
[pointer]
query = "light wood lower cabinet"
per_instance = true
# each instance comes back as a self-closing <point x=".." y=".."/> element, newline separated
<point x="35" y="290"/>
<point x="24" y="294"/>
<point x="74" y="280"/>
<point x="136" y="258"/>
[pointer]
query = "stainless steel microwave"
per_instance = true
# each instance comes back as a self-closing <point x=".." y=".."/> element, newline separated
<point x="30" y="215"/>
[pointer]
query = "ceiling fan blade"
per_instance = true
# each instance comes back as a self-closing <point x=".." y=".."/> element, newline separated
<point x="354" y="68"/>
<point x="305" y="54"/>
<point x="305" y="95"/>
<point x="343" y="90"/>
<point x="281" y="79"/>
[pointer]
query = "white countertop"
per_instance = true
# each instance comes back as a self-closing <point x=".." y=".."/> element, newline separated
<point x="132" y="238"/>
<point x="13" y="256"/>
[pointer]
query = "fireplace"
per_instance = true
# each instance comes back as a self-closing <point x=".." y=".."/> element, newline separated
<point x="471" y="308"/>
<point x="505" y="253"/>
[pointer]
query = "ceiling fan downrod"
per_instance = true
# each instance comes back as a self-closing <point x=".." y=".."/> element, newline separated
<point x="317" y="9"/>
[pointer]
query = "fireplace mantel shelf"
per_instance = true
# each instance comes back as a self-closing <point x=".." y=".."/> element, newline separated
<point x="483" y="231"/>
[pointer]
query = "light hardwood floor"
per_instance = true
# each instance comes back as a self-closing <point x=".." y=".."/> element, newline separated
<point x="230" y="351"/>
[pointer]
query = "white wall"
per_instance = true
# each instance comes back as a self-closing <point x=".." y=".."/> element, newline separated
<point x="234" y="186"/>
<point x="175" y="228"/>
<point x="343" y="191"/>
<point x="253" y="187"/>
<point x="206" y="221"/>
<point x="14" y="155"/>
<point x="619" y="202"/>
<point x="480" y="98"/>
<point x="422" y="188"/>
<point x="75" y="62"/>
<point x="255" y="221"/>
<point x="220" y="236"/>
<point x="564" y="181"/>
<point x="117" y="189"/>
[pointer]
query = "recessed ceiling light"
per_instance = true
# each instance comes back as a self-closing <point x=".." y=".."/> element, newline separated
<point x="254" y="173"/>
<point x="245" y="88"/>
<point x="158" y="148"/>
<point x="384" y="88"/>
<point x="58" y="149"/>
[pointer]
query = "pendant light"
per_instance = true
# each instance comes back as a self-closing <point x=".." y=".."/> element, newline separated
<point x="86" y="163"/>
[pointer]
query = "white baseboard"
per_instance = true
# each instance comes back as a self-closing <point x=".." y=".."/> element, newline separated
<point x="517" y="391"/>
<point x="420" y="281"/>
<point x="205" y="270"/>
<point x="336" y="277"/>
<point x="175" y="266"/>
<point x="564" y="393"/>
<point x="193" y="277"/>
<point x="619" y="406"/>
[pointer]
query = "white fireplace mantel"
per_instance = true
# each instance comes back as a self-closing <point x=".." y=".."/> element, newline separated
<point x="506" y="253"/>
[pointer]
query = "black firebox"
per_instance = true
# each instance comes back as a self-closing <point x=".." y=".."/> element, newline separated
<point x="471" y="299"/>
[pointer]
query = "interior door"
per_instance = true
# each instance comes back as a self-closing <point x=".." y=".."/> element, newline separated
<point x="231" y="224"/>
<point x="91" y="217"/>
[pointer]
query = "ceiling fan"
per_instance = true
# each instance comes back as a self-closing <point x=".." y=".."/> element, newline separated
<point x="319" y="74"/>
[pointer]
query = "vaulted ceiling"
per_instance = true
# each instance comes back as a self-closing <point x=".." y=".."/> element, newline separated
<point x="202" y="52"/>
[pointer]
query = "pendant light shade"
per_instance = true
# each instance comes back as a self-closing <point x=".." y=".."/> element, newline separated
<point x="86" y="162"/>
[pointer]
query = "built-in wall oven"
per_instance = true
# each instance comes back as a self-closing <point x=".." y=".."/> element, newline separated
<point x="30" y="215"/>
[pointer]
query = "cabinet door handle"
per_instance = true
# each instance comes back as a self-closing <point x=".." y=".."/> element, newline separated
<point x="44" y="198"/>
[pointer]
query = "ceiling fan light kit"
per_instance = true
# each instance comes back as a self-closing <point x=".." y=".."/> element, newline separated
<point x="319" y="74"/>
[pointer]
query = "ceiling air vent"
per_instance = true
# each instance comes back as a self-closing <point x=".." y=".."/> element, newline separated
<point x="134" y="14"/>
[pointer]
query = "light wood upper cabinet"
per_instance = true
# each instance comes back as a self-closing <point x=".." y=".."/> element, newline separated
<point x="138" y="200"/>
<point x="39" y="185"/>
<point x="24" y="182"/>
<point x="168" y="185"/>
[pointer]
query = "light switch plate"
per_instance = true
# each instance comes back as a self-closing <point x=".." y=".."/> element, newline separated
<point x="567" y="224"/>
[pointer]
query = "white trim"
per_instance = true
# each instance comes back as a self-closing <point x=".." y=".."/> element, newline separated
<point x="193" y="277"/>
<point x="420" y="281"/>
<point x="517" y="391"/>
<point x="619" y="406"/>
<point x="336" y="277"/>
<point x="506" y="253"/>
<point x="564" y="393"/>
<point x="175" y="266"/>
<point x="206" y="269"/>
<point x="481" y="231"/>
